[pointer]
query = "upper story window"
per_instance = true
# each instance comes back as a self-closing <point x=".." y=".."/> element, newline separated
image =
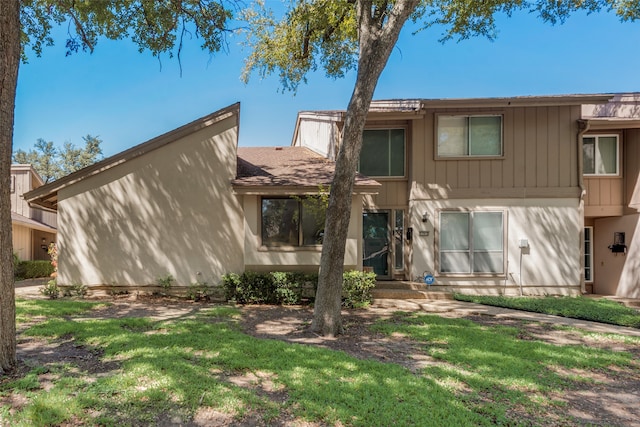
<point x="292" y="221"/>
<point x="469" y="136"/>
<point x="383" y="153"/>
<point x="471" y="242"/>
<point x="600" y="154"/>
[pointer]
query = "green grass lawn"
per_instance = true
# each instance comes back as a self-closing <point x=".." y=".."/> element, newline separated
<point x="597" y="310"/>
<point x="183" y="367"/>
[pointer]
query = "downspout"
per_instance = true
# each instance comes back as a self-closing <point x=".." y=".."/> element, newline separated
<point x="584" y="127"/>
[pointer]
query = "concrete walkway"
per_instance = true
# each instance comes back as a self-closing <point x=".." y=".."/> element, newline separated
<point x="462" y="308"/>
<point x="30" y="289"/>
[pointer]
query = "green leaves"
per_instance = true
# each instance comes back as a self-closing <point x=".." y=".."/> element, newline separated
<point x="53" y="163"/>
<point x="157" y="26"/>
<point x="311" y="35"/>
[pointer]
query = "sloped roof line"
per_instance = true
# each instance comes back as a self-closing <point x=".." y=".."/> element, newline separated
<point x="53" y="187"/>
<point x="31" y="223"/>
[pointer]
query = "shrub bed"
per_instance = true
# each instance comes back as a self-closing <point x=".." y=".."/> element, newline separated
<point x="33" y="269"/>
<point x="290" y="288"/>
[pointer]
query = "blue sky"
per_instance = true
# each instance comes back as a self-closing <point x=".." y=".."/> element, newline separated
<point x="126" y="97"/>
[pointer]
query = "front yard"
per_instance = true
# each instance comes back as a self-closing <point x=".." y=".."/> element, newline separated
<point x="177" y="363"/>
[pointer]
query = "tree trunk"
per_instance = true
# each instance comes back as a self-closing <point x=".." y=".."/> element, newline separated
<point x="9" y="62"/>
<point x="377" y="37"/>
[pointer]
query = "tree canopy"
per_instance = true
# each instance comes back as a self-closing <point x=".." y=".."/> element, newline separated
<point x="160" y="27"/>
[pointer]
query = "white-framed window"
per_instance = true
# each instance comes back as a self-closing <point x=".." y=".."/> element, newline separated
<point x="288" y="221"/>
<point x="600" y="155"/>
<point x="469" y="136"/>
<point x="471" y="242"/>
<point x="383" y="153"/>
<point x="588" y="254"/>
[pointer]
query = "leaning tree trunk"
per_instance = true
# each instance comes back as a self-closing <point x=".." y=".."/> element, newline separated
<point x="377" y="37"/>
<point x="9" y="61"/>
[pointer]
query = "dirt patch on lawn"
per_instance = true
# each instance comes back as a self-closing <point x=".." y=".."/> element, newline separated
<point x="612" y="397"/>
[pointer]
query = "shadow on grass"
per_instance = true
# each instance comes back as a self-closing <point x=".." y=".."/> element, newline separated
<point x="498" y="364"/>
<point x="188" y="365"/>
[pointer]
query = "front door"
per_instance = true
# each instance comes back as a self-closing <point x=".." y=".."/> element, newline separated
<point x="376" y="241"/>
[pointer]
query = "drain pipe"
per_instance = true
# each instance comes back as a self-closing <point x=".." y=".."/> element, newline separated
<point x="584" y="127"/>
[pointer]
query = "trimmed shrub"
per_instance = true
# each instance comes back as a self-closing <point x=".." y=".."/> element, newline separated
<point x="288" y="288"/>
<point x="356" y="288"/>
<point x="267" y="288"/>
<point x="33" y="269"/>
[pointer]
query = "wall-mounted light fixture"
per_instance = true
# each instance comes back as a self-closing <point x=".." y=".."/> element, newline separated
<point x="425" y="217"/>
<point x="618" y="246"/>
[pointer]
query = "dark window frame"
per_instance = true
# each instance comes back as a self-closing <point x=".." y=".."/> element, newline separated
<point x="301" y="239"/>
<point x="388" y="155"/>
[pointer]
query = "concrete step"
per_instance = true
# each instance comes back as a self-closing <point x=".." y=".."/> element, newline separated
<point x="386" y="293"/>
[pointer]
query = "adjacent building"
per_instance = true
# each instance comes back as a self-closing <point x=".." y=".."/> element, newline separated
<point x="33" y="228"/>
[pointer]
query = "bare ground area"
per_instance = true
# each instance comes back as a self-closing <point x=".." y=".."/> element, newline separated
<point x="612" y="398"/>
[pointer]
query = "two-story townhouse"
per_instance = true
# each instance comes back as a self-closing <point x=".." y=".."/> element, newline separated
<point x="495" y="195"/>
<point x="499" y="195"/>
<point x="33" y="229"/>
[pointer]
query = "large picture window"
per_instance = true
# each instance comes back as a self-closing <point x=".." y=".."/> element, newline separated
<point x="383" y="153"/>
<point x="600" y="154"/>
<point x="471" y="242"/>
<point x="469" y="136"/>
<point x="292" y="221"/>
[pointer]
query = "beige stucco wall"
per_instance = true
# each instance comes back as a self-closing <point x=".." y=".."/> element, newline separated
<point x="21" y="241"/>
<point x="551" y="264"/>
<point x="169" y="211"/>
<point x="259" y="258"/>
<point x="617" y="274"/>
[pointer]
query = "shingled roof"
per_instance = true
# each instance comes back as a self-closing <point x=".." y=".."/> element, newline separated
<point x="291" y="168"/>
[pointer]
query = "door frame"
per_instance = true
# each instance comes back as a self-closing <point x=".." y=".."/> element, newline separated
<point x="393" y="245"/>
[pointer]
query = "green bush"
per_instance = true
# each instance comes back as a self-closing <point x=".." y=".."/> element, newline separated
<point x="77" y="290"/>
<point x="199" y="291"/>
<point x="33" y="269"/>
<point x="356" y="288"/>
<point x="51" y="289"/>
<point x="288" y="287"/>
<point x="267" y="288"/>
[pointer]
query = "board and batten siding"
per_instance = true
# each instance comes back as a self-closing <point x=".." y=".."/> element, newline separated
<point x="540" y="157"/>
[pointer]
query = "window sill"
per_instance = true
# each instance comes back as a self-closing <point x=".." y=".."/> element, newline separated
<point x="471" y="275"/>
<point x="317" y="248"/>
<point x="602" y="176"/>
<point x="458" y="158"/>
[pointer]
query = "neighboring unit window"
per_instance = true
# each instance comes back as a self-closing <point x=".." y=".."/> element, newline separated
<point x="472" y="242"/>
<point x="588" y="254"/>
<point x="292" y="222"/>
<point x="383" y="153"/>
<point x="600" y="155"/>
<point x="469" y="136"/>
